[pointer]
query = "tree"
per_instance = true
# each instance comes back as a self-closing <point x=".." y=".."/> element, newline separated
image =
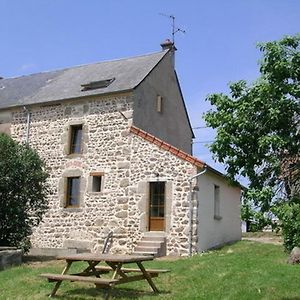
<point x="23" y="192"/>
<point x="257" y="126"/>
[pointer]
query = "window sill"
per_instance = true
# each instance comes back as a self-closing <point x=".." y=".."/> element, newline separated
<point x="218" y="218"/>
<point x="72" y="209"/>
<point x="74" y="155"/>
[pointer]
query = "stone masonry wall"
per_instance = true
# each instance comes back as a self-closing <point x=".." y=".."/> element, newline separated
<point x="151" y="163"/>
<point x="128" y="163"/>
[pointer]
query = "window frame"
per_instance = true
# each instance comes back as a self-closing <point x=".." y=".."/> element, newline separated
<point x="217" y="203"/>
<point x="92" y="176"/>
<point x="68" y="192"/>
<point x="72" y="137"/>
<point x="159" y="103"/>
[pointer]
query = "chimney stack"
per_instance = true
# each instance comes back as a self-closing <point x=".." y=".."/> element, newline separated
<point x="167" y="44"/>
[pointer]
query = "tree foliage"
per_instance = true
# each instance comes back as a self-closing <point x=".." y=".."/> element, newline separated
<point x="257" y="125"/>
<point x="23" y="192"/>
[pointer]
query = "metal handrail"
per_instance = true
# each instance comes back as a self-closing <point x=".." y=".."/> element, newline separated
<point x="107" y="243"/>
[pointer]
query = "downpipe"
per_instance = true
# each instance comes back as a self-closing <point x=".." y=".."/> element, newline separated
<point x="191" y="209"/>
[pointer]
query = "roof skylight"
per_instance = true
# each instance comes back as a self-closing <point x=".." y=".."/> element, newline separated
<point x="93" y="85"/>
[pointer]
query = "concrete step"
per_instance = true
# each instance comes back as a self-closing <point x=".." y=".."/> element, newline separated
<point x="144" y="253"/>
<point x="152" y="243"/>
<point x="144" y="243"/>
<point x="155" y="234"/>
<point x="156" y="239"/>
<point x="146" y="249"/>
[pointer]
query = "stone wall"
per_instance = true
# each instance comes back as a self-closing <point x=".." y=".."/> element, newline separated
<point x="151" y="163"/>
<point x="128" y="163"/>
<point x="10" y="256"/>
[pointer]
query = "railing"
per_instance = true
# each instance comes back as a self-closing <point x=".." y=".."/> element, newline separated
<point x="107" y="243"/>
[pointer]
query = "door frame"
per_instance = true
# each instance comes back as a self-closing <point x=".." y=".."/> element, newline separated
<point x="149" y="206"/>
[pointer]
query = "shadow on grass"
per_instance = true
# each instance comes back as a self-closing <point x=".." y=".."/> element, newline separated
<point x="124" y="293"/>
<point x="290" y="298"/>
<point x="36" y="258"/>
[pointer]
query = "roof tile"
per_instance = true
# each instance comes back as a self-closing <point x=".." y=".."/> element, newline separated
<point x="67" y="83"/>
<point x="166" y="146"/>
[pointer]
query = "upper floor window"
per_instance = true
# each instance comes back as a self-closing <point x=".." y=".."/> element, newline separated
<point x="75" y="139"/>
<point x="73" y="192"/>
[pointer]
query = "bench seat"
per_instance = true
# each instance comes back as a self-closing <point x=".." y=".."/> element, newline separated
<point x="97" y="281"/>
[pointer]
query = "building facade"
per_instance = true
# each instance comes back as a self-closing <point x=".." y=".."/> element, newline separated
<point x="116" y="140"/>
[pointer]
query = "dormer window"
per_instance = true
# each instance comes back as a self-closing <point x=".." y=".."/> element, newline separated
<point x="93" y="85"/>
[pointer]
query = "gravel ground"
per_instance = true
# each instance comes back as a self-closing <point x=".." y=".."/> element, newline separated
<point x="276" y="240"/>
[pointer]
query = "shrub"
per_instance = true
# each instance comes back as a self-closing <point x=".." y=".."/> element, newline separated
<point x="289" y="217"/>
<point x="23" y="192"/>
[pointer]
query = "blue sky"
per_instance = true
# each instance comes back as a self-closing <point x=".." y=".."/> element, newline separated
<point x="219" y="45"/>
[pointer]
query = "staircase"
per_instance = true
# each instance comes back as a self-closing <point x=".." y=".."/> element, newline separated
<point x="152" y="243"/>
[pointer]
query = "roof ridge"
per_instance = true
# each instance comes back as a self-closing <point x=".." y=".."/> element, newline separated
<point x="168" y="147"/>
<point x="86" y="64"/>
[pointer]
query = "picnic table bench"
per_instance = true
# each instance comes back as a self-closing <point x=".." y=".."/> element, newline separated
<point x="114" y="263"/>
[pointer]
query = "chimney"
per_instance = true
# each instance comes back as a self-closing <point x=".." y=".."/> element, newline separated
<point x="167" y="44"/>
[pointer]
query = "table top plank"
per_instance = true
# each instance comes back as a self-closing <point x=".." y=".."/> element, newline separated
<point x="106" y="257"/>
<point x="128" y="270"/>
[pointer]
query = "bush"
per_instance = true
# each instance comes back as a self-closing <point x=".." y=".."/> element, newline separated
<point x="289" y="216"/>
<point x="23" y="192"/>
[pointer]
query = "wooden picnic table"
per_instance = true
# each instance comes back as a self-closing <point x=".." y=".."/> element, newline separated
<point x="113" y="264"/>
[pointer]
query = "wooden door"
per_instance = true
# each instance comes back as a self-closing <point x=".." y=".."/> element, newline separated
<point x="157" y="206"/>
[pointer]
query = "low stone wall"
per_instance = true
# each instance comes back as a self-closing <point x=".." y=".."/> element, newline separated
<point x="10" y="256"/>
<point x="53" y="252"/>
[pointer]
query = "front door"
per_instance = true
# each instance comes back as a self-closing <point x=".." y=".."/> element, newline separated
<point x="157" y="206"/>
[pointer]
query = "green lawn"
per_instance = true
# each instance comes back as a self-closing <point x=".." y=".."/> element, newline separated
<point x="245" y="270"/>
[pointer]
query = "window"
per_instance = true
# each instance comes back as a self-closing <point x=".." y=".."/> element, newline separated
<point x="76" y="139"/>
<point x="73" y="192"/>
<point x="217" y="214"/>
<point x="96" y="182"/>
<point x="157" y="199"/>
<point x="159" y="103"/>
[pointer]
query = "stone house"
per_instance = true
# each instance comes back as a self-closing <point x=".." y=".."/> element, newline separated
<point x="117" y="143"/>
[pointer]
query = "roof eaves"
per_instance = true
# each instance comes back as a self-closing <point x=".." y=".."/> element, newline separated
<point x="218" y="173"/>
<point x="64" y="99"/>
<point x="167" y="147"/>
<point x="179" y="153"/>
<point x="193" y="135"/>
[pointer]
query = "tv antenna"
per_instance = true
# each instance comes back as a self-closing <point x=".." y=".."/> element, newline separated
<point x="174" y="28"/>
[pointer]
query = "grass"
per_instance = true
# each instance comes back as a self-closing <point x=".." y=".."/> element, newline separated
<point x="245" y="270"/>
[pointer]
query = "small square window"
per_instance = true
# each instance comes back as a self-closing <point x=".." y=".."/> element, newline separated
<point x="96" y="182"/>
<point x="72" y="191"/>
<point x="75" y="139"/>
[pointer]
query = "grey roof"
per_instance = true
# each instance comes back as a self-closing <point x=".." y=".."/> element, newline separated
<point x="66" y="83"/>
